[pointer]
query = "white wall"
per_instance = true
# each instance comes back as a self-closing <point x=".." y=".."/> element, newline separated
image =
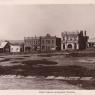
<point x="14" y="48"/>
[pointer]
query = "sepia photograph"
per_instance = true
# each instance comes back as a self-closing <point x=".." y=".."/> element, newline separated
<point x="47" y="47"/>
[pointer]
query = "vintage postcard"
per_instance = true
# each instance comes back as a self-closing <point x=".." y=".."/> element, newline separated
<point x="47" y="48"/>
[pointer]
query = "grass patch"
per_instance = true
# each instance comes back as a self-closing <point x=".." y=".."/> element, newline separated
<point x="18" y="58"/>
<point x="46" y="68"/>
<point x="6" y="59"/>
<point x="76" y="54"/>
<point x="41" y="62"/>
<point x="26" y="56"/>
<point x="15" y="62"/>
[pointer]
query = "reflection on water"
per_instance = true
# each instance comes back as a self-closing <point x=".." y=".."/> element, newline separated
<point x="37" y="83"/>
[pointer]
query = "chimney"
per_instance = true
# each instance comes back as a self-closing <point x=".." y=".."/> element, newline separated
<point x="85" y="33"/>
<point x="81" y="32"/>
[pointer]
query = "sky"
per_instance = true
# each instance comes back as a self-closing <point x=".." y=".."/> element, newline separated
<point x="19" y="21"/>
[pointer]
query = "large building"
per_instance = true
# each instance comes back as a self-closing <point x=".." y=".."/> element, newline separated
<point x="50" y="43"/>
<point x="91" y="43"/>
<point x="31" y="44"/>
<point x="46" y="43"/>
<point x="74" y="40"/>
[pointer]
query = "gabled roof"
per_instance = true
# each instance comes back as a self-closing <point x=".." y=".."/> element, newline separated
<point x="16" y="42"/>
<point x="3" y="44"/>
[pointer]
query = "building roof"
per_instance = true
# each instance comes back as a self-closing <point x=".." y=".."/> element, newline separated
<point x="48" y="36"/>
<point x="3" y="44"/>
<point x="66" y="33"/>
<point x="14" y="45"/>
<point x="91" y="40"/>
<point x="16" y="42"/>
<point x="31" y="38"/>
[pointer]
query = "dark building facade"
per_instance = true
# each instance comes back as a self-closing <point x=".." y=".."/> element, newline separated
<point x="50" y="43"/>
<point x="83" y="40"/>
<point x="31" y="44"/>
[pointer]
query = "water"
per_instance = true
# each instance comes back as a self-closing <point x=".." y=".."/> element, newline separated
<point x="36" y="83"/>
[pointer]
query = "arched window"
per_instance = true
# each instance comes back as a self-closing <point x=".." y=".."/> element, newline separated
<point x="69" y="46"/>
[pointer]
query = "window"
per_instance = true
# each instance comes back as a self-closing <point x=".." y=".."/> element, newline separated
<point x="42" y="41"/>
<point x="36" y="42"/>
<point x="11" y="48"/>
<point x="52" y="41"/>
<point x="69" y="46"/>
<point x="63" y="46"/>
<point x="71" y="39"/>
<point x="48" y="48"/>
<point x="76" y="38"/>
<point x="75" y="46"/>
<point x="17" y="49"/>
<point x="48" y="41"/>
<point x="43" y="47"/>
<point x="67" y="38"/>
<point x="63" y="38"/>
<point x="33" y="42"/>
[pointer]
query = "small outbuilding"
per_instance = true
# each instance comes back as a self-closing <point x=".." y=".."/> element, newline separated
<point x="15" y="49"/>
<point x="91" y="43"/>
<point x="4" y="47"/>
<point x="16" y="46"/>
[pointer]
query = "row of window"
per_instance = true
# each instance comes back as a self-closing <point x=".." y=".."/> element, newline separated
<point x="70" y="38"/>
<point x="70" y="46"/>
<point x="37" y="41"/>
<point x="47" y="41"/>
<point x="32" y="42"/>
<point x="47" y="47"/>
